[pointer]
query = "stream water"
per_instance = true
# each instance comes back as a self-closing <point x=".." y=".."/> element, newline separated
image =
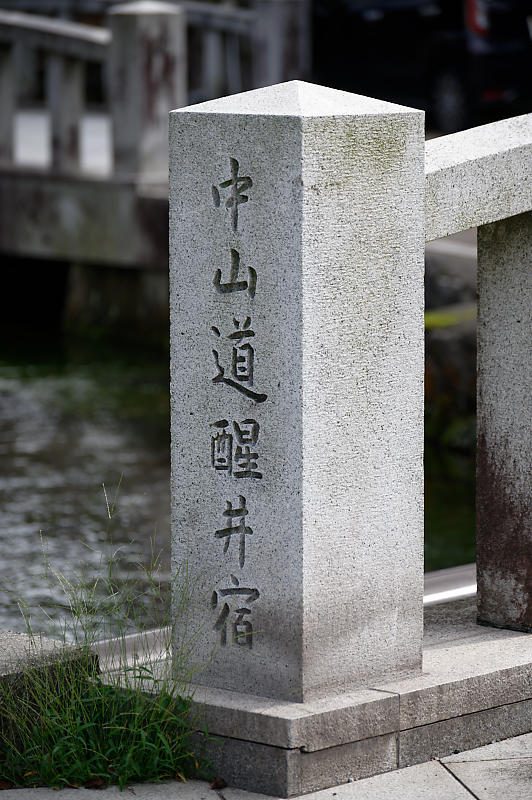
<point x="76" y="422"/>
<point x="78" y="427"/>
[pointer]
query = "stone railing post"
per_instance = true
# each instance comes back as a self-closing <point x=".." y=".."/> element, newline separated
<point x="296" y="263"/>
<point x="7" y="102"/>
<point x="504" y="413"/>
<point x="282" y="41"/>
<point x="65" y="97"/>
<point x="213" y="63"/>
<point x="147" y="75"/>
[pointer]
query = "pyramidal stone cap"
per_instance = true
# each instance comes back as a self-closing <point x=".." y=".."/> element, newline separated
<point x="297" y="99"/>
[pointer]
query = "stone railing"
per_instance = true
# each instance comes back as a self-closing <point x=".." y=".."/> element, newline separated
<point x="144" y="58"/>
<point x="220" y="35"/>
<point x="298" y="219"/>
<point x="483" y="177"/>
<point x="147" y="52"/>
<point x="67" y="47"/>
<point x="243" y="48"/>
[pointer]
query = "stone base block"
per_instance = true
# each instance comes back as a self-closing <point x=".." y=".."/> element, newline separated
<point x="291" y="772"/>
<point x="476" y="687"/>
<point x="463" y="733"/>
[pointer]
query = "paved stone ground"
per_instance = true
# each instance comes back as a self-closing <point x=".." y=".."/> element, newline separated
<point x="500" y="771"/>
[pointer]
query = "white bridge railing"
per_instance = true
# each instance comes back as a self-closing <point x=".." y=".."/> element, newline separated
<point x="67" y="47"/>
<point x="156" y="56"/>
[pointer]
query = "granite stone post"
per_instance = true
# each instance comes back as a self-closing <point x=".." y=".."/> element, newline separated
<point x="296" y="265"/>
<point x="504" y="418"/>
<point x="147" y="76"/>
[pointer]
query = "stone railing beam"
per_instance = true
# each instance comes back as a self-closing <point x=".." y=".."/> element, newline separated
<point x="85" y="42"/>
<point x="478" y="176"/>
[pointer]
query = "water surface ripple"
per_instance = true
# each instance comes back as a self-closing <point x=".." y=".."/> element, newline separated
<point x="66" y="428"/>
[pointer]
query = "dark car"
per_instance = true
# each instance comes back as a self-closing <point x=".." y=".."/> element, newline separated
<point x="462" y="60"/>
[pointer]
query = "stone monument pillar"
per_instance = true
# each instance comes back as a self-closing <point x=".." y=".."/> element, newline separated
<point x="296" y="265"/>
<point x="504" y="413"/>
<point x="147" y="77"/>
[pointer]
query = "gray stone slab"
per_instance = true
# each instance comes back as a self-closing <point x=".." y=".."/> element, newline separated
<point x="252" y="766"/>
<point x="329" y="275"/>
<point x="463" y="733"/>
<point x="428" y="781"/>
<point x="82" y="220"/>
<point x="455" y="622"/>
<point x="348" y="762"/>
<point x="167" y="790"/>
<point x="492" y="780"/>
<point x="288" y="773"/>
<point x="516" y="747"/>
<point x="466" y="668"/>
<point x="285" y="772"/>
<point x="16" y="649"/>
<point x="315" y="725"/>
<point x="451" y="698"/>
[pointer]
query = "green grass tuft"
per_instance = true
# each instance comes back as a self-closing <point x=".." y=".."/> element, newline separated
<point x="75" y="730"/>
<point x="66" y="722"/>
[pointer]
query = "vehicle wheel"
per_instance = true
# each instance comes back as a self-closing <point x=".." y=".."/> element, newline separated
<point x="449" y="103"/>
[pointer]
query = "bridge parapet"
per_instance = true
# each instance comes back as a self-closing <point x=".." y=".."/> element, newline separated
<point x="145" y="54"/>
<point x="156" y="56"/>
<point x="67" y="46"/>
